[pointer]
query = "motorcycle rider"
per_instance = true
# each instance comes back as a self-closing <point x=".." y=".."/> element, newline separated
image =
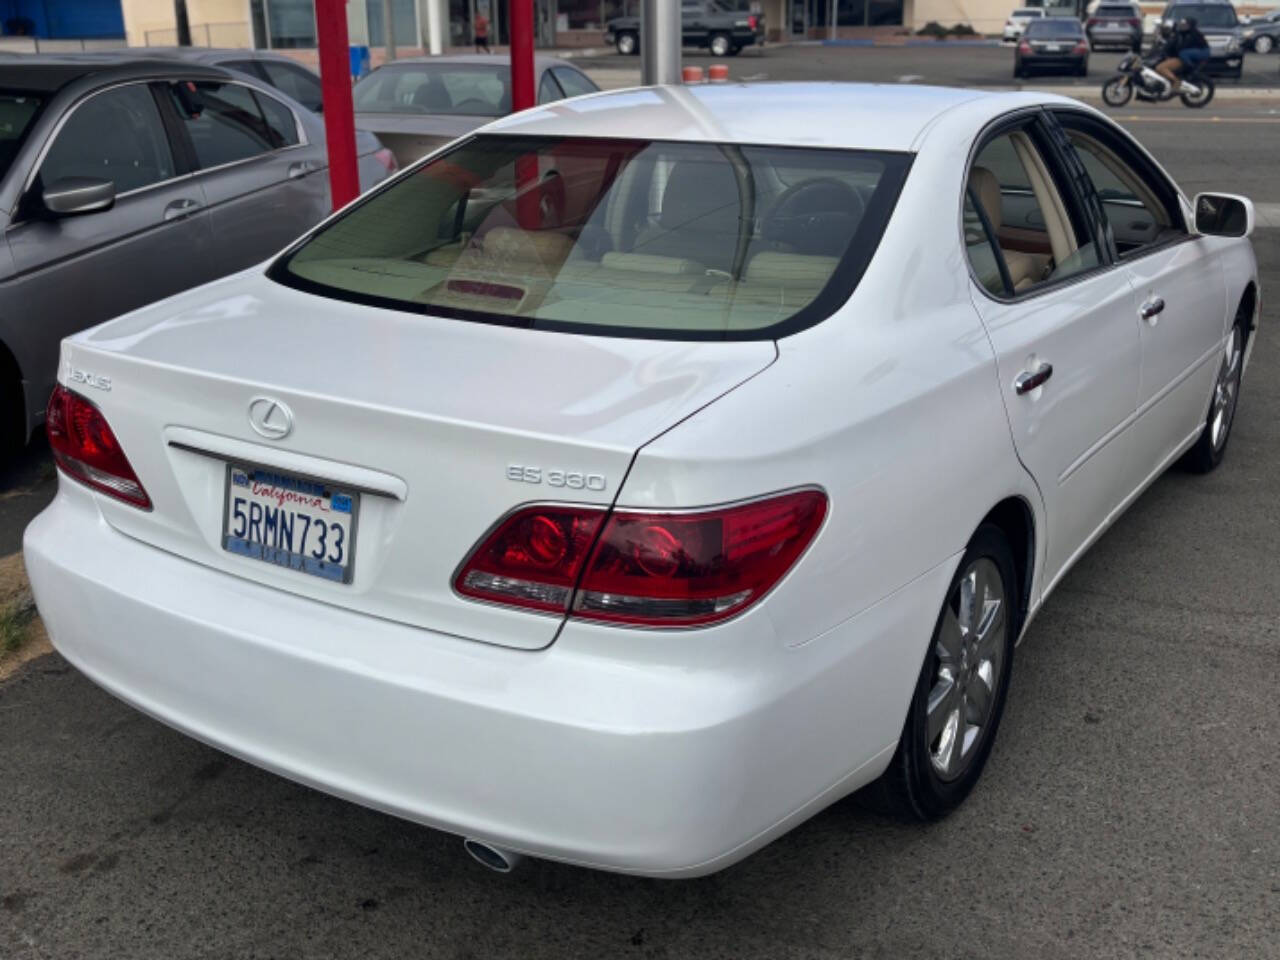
<point x="1185" y="49"/>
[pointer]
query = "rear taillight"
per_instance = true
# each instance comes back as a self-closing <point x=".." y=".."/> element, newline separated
<point x="85" y="448"/>
<point x="387" y="159"/>
<point x="1134" y="22"/>
<point x="644" y="569"/>
<point x="1091" y="22"/>
<point x="1082" y="47"/>
<point x="752" y="23"/>
<point x="532" y="559"/>
<point x="1025" y="47"/>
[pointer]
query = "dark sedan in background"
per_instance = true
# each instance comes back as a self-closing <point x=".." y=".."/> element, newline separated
<point x="125" y="180"/>
<point x="1052" y="45"/>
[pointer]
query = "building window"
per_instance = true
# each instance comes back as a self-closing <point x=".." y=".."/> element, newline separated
<point x="403" y="16"/>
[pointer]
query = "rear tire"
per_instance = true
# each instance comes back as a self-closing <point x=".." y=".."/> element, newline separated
<point x="720" y="44"/>
<point x="1263" y="44"/>
<point x="1211" y="446"/>
<point x="1206" y="94"/>
<point x="960" y="693"/>
<point x="627" y="44"/>
<point x="1117" y="91"/>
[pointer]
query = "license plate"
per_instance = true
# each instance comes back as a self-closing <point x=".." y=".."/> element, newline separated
<point x="1051" y="48"/>
<point x="290" y="521"/>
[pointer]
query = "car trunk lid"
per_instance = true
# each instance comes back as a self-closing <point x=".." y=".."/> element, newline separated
<point x="438" y="426"/>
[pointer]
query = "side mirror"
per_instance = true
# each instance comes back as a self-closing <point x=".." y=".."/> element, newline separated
<point x="74" y="195"/>
<point x="1223" y="215"/>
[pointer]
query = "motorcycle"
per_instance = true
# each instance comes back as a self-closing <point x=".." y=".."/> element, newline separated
<point x="1136" y="75"/>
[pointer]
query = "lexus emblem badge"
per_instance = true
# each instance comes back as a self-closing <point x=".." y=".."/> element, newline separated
<point x="270" y="418"/>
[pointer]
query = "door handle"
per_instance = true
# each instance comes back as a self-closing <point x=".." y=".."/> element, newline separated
<point x="1028" y="380"/>
<point x="1151" y="309"/>
<point x="301" y="168"/>
<point x="180" y="208"/>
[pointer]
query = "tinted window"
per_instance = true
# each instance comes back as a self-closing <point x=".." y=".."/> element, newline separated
<point x="1054" y="28"/>
<point x="548" y="92"/>
<point x="1028" y="13"/>
<point x="281" y="123"/>
<point x="1038" y="234"/>
<point x="1135" y="204"/>
<point x="117" y="136"/>
<point x="223" y="120"/>
<point x="1115" y="12"/>
<point x="612" y="236"/>
<point x="574" y="83"/>
<point x="461" y="89"/>
<point x="294" y="81"/>
<point x="1208" y="15"/>
<point x="18" y="112"/>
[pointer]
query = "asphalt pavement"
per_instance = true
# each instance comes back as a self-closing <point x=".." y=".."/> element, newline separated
<point x="1129" y="808"/>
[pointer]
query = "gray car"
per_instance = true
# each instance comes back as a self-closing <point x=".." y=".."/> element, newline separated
<point x="418" y="104"/>
<point x="123" y="181"/>
<point x="282" y="72"/>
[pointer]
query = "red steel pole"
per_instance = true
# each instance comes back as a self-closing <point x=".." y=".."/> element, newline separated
<point x="335" y="88"/>
<point x="520" y="25"/>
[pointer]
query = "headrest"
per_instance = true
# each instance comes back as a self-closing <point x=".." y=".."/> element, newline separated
<point x="700" y="196"/>
<point x="987" y="188"/>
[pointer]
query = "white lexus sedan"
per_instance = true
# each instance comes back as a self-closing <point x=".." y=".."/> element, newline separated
<point x="636" y="477"/>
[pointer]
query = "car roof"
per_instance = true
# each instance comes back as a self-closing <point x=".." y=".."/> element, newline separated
<point x="50" y="73"/>
<point x="845" y="115"/>
<point x="477" y="59"/>
<point x="216" y="54"/>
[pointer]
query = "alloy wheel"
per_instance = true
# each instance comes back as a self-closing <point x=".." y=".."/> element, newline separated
<point x="1226" y="391"/>
<point x="1263" y="44"/>
<point x="970" y="658"/>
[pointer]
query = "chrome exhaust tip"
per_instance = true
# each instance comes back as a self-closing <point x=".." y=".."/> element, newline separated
<point x="495" y="858"/>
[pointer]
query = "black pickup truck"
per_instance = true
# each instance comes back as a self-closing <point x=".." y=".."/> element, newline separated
<point x="722" y="26"/>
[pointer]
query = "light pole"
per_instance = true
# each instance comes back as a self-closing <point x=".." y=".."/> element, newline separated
<point x="182" y="23"/>
<point x="660" y="35"/>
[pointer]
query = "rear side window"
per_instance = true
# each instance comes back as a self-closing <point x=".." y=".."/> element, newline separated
<point x="223" y="120"/>
<point x="629" y="238"/>
<point x="282" y="125"/>
<point x="574" y="83"/>
<point x="294" y="82"/>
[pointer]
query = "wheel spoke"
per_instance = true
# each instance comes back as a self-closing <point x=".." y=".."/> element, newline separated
<point x="942" y="705"/>
<point x="978" y="696"/>
<point x="955" y="747"/>
<point x="967" y="613"/>
<point x="950" y="645"/>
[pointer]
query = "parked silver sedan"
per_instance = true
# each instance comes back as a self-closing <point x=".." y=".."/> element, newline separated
<point x="419" y="104"/>
<point x="123" y="181"/>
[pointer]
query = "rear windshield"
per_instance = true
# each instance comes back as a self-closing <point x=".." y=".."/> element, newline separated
<point x="1127" y="12"/>
<point x="1209" y="15"/>
<point x="472" y="90"/>
<point x="18" y="112"/>
<point x="624" y="238"/>
<point x="1054" y="28"/>
<point x="1028" y="13"/>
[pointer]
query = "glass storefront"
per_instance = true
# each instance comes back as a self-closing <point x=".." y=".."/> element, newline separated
<point x="809" y="17"/>
<point x="402" y="15"/>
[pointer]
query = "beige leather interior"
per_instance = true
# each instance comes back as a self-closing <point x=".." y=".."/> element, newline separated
<point x="1057" y="223"/>
<point x="1024" y="268"/>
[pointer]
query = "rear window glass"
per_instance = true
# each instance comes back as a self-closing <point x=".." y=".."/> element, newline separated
<point x="462" y="90"/>
<point x="1028" y="13"/>
<point x="1210" y="15"/>
<point x="629" y="238"/>
<point x="17" y="112"/>
<point x="1128" y="12"/>
<point x="1054" y="28"/>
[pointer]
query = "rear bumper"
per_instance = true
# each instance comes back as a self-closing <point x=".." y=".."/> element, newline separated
<point x="568" y="753"/>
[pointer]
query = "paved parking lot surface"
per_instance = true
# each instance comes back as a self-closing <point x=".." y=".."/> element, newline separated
<point x="945" y="63"/>
<point x="1129" y="808"/>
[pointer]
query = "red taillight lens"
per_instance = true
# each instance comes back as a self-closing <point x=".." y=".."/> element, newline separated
<point x="752" y="23"/>
<point x="1134" y="22"/>
<point x="387" y="159"/>
<point x="85" y="448"/>
<point x="1082" y="47"/>
<point x="532" y="559"/>
<point x="1091" y="22"/>
<point x="1024" y="47"/>
<point x="647" y="569"/>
